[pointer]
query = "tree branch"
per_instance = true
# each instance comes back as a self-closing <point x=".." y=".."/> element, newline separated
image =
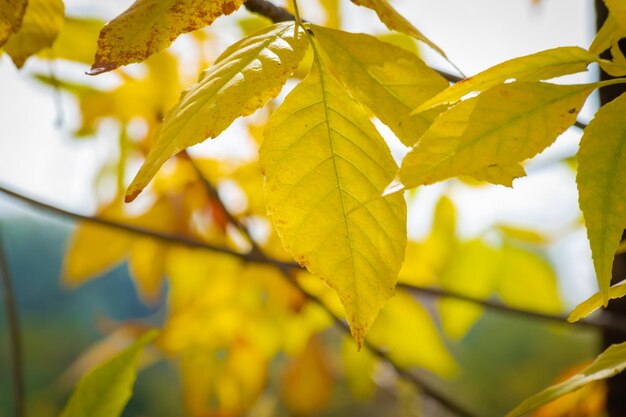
<point x="268" y="9"/>
<point x="288" y="274"/>
<point x="14" y="333"/>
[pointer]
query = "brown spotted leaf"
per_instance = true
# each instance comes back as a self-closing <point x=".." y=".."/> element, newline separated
<point x="149" y="26"/>
<point x="11" y="15"/>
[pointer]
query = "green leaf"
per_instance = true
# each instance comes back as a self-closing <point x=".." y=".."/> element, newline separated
<point x="395" y="21"/>
<point x="601" y="183"/>
<point x="149" y="26"/>
<point x="500" y="128"/>
<point x="607" y="364"/>
<point x="535" y="67"/>
<point x="105" y="390"/>
<point x="326" y="167"/>
<point x="11" y="15"/>
<point x="41" y="25"/>
<point x="594" y="302"/>
<point x="244" y="78"/>
<point x="390" y="81"/>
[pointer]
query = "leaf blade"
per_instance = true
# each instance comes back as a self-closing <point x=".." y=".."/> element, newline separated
<point x="105" y="390"/>
<point x="501" y="127"/>
<point x="40" y="26"/>
<point x="149" y="26"/>
<point x="609" y="363"/>
<point x="388" y="80"/>
<point x="601" y="184"/>
<point x="234" y="86"/>
<point x="11" y="15"/>
<point x="535" y="67"/>
<point x="323" y="192"/>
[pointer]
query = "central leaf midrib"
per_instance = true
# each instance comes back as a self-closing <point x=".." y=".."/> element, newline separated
<point x="341" y="199"/>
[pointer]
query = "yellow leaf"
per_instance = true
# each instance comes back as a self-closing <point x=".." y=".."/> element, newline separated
<point x="501" y="127"/>
<point x="245" y="77"/>
<point x="359" y="370"/>
<point x="409" y="335"/>
<point x="77" y="40"/>
<point x="149" y="26"/>
<point x="523" y="235"/>
<point x="326" y="167"/>
<point x="500" y="174"/>
<point x="601" y="180"/>
<point x="332" y="10"/>
<point x="471" y="272"/>
<point x="617" y="8"/>
<point x="608" y="37"/>
<point x="41" y="25"/>
<point x="594" y="302"/>
<point x="426" y="261"/>
<point x="609" y="363"/>
<point x="535" y="67"/>
<point x="306" y="382"/>
<point x="395" y="21"/>
<point x="11" y="15"/>
<point x="390" y="81"/>
<point x="527" y="281"/>
<point x="147" y="266"/>
<point x="93" y="249"/>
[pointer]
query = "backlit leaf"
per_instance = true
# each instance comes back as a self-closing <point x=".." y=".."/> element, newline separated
<point x="245" y="77"/>
<point x="11" y="15"/>
<point x="149" y="26"/>
<point x="535" y="67"/>
<point x="609" y="363"/>
<point x="395" y="21"/>
<point x="601" y="183"/>
<point x="594" y="302"/>
<point x="326" y="167"/>
<point x="501" y="127"/>
<point x="41" y="25"/>
<point x="105" y="390"/>
<point x="390" y="81"/>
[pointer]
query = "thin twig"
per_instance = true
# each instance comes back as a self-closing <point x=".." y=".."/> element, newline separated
<point x="247" y="257"/>
<point x="15" y="340"/>
<point x="606" y="323"/>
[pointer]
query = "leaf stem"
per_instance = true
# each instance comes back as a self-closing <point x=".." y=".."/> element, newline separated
<point x="15" y="340"/>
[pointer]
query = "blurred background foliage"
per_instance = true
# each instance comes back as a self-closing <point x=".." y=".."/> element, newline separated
<point x="237" y="339"/>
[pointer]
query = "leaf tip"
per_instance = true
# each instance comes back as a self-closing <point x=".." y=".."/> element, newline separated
<point x="132" y="194"/>
<point x="99" y="69"/>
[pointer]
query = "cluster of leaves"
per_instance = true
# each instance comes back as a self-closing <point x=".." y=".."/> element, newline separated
<point x="332" y="189"/>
